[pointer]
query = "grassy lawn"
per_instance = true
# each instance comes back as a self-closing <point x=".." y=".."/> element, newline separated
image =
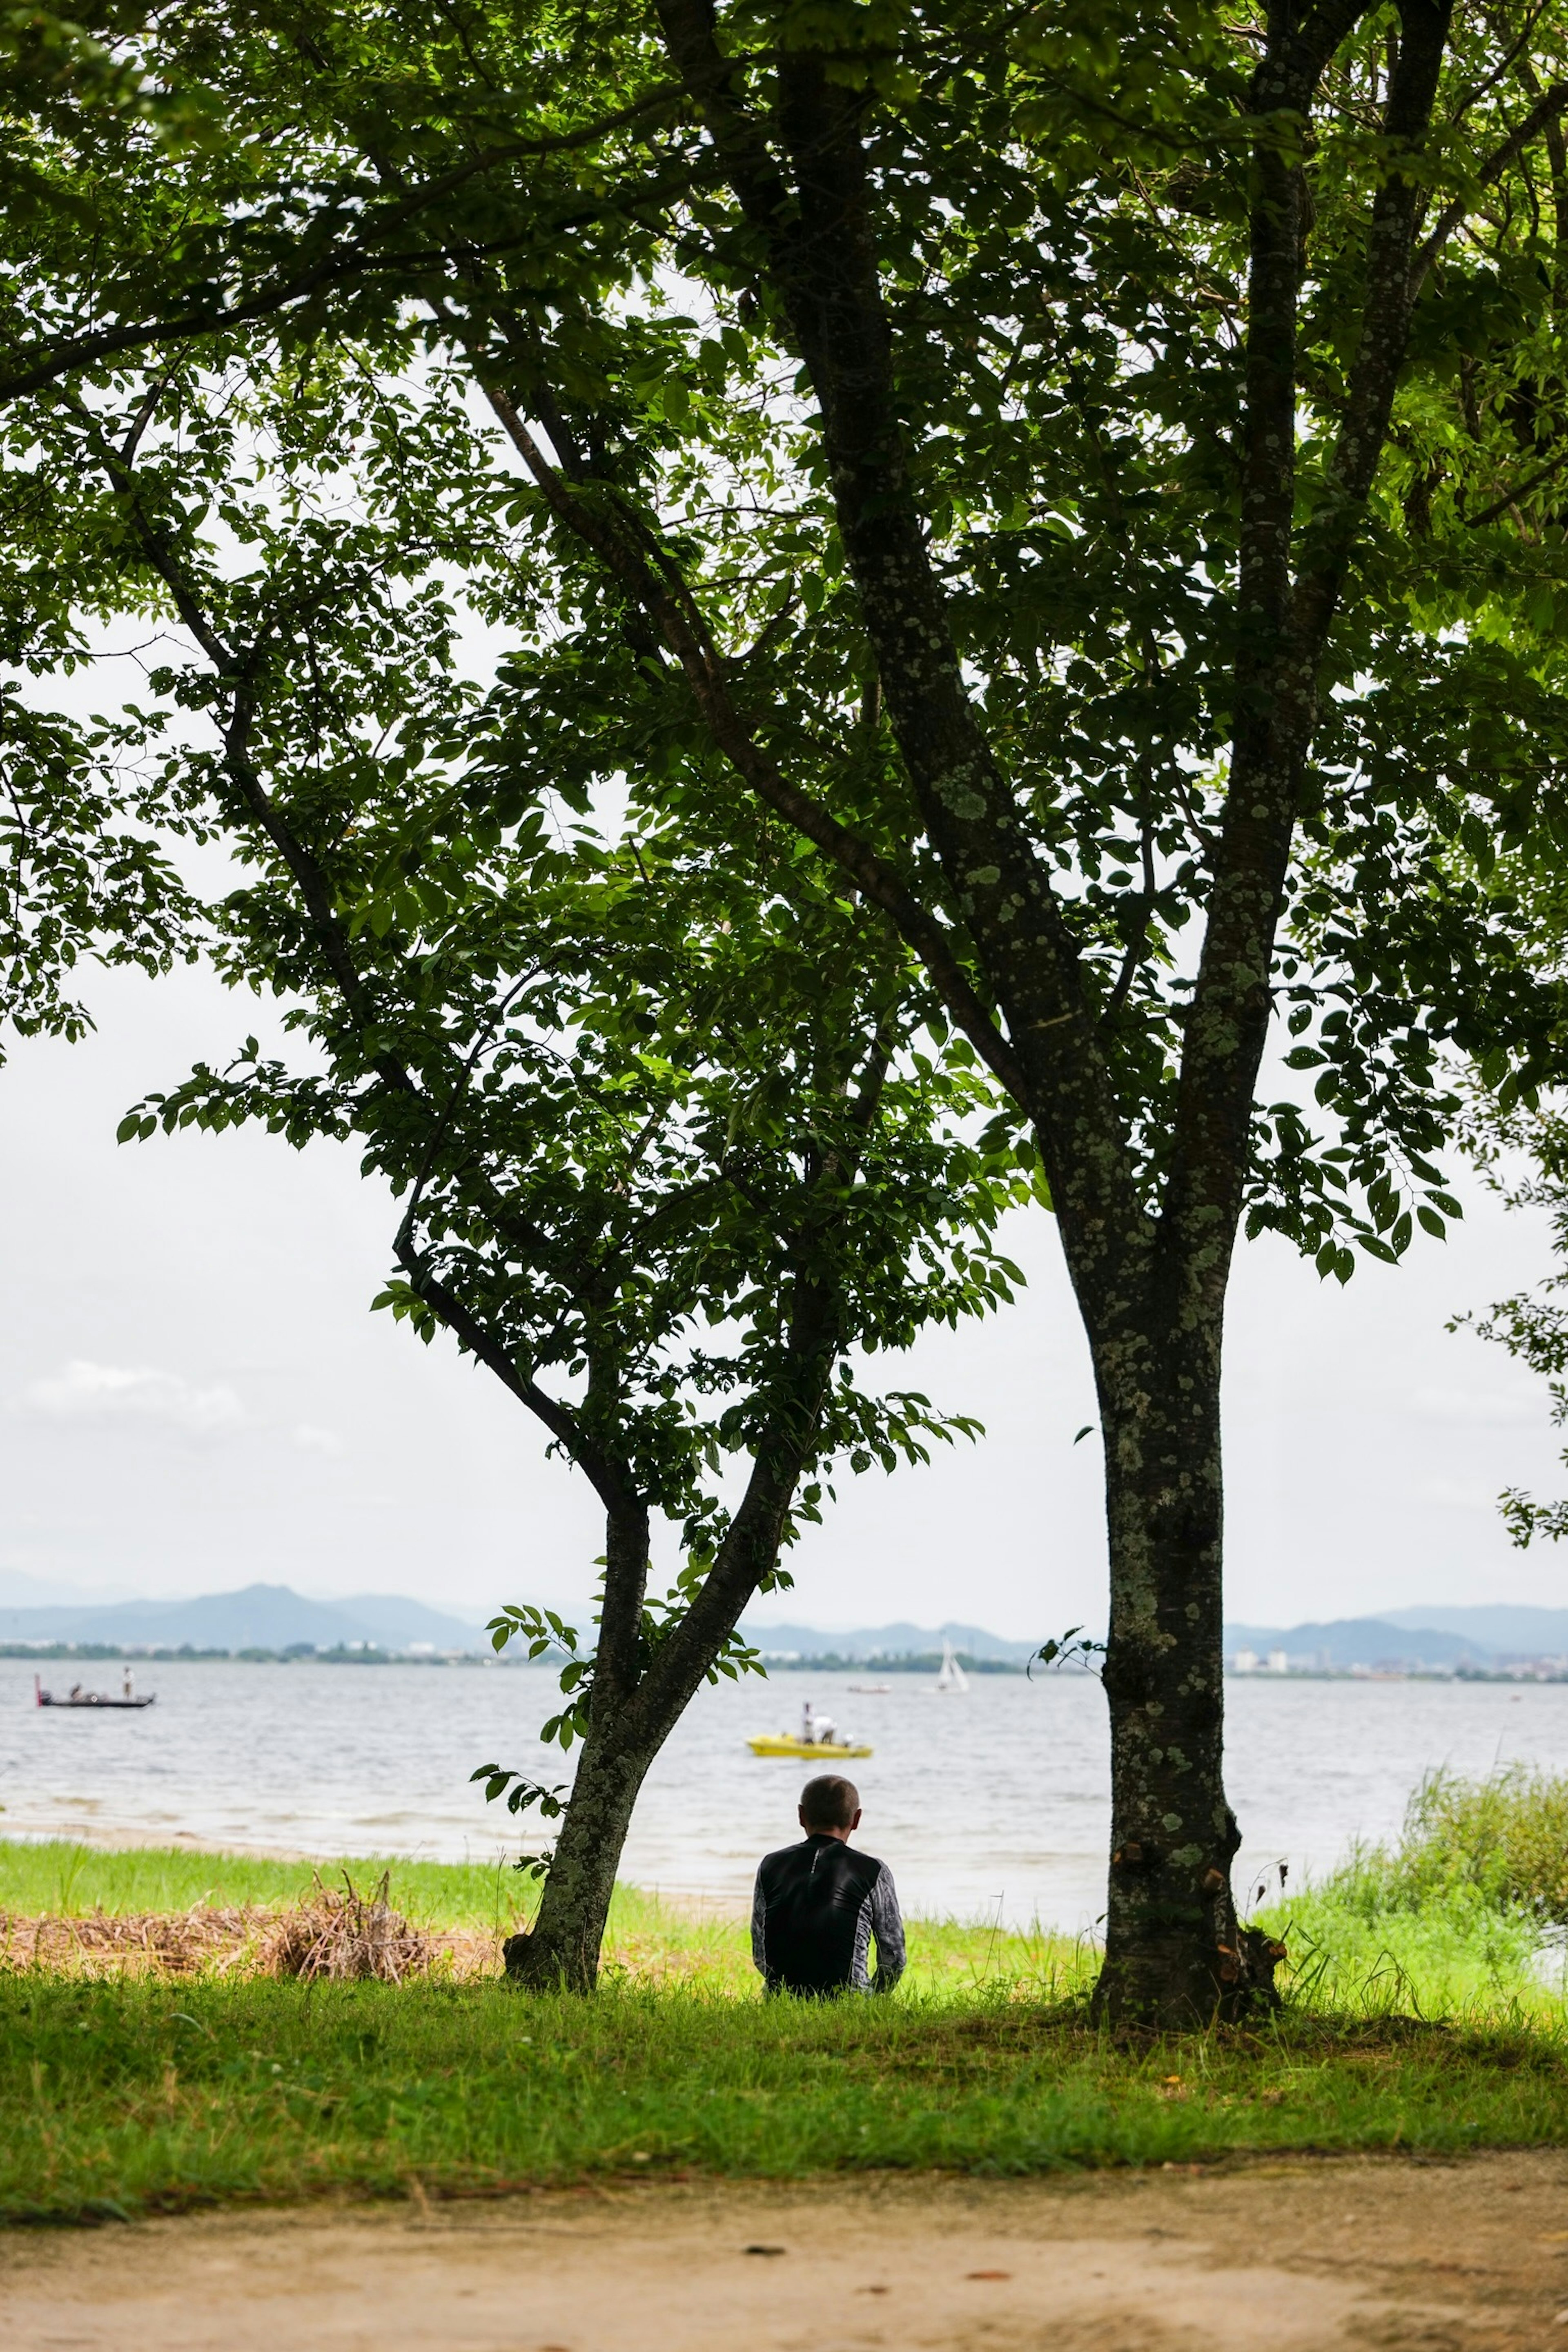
<point x="1419" y="2020"/>
<point x="127" y="2097"/>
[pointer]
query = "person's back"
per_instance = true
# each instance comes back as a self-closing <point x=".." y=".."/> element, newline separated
<point x="818" y="1905"/>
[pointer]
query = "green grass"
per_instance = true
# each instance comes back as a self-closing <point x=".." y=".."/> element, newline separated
<point x="646" y="1938"/>
<point x="1417" y="2019"/>
<point x="152" y="2097"/>
<point x="1451" y="1957"/>
<point x="63" y="1876"/>
<point x="1449" y="1920"/>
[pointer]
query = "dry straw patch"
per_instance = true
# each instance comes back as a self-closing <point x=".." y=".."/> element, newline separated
<point x="348" y="1934"/>
<point x="332" y="1935"/>
<point x="157" y="1943"/>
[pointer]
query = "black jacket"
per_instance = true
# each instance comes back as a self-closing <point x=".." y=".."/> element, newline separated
<point x="815" y="1911"/>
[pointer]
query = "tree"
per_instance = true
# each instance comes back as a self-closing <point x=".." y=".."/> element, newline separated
<point x="1021" y="450"/>
<point x="672" y="1156"/>
<point x="86" y="873"/>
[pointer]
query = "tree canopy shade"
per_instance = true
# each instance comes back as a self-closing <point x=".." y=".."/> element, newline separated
<point x="674" y="1152"/>
<point x="1057" y="463"/>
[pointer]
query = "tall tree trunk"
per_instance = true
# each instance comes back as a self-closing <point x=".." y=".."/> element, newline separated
<point x="1174" y="1953"/>
<point x="561" y="1949"/>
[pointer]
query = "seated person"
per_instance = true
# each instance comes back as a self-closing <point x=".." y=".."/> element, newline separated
<point x="816" y="1905"/>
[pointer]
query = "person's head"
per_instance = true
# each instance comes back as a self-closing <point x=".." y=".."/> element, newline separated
<point x="829" y="1806"/>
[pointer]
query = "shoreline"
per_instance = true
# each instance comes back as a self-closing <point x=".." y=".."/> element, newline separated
<point x="109" y="1654"/>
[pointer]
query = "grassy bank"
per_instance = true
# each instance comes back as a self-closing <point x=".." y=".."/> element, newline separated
<point x="648" y="1940"/>
<point x="1417" y="2018"/>
<point x="147" y="2096"/>
<point x="1463" y="1916"/>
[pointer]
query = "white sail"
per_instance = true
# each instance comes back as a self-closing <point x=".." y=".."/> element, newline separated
<point x="952" y="1676"/>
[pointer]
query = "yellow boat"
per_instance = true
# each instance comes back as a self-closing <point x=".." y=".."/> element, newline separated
<point x="785" y="1743"/>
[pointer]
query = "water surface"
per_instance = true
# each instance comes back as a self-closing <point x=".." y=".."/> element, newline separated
<point x="992" y="1804"/>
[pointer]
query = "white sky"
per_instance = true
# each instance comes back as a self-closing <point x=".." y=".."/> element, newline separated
<point x="193" y="1395"/>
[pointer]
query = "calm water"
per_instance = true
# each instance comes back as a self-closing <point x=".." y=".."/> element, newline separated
<point x="993" y="1799"/>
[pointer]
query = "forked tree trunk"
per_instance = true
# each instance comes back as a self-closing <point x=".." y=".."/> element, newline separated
<point x="1174" y="1953"/>
<point x="636" y="1704"/>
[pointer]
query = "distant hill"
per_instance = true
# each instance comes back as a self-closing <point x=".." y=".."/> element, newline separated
<point x="899" y="1641"/>
<point x="401" y="1624"/>
<point x="1359" y="1642"/>
<point x="275" y="1617"/>
<point x="1508" y="1629"/>
<point x="258" y="1617"/>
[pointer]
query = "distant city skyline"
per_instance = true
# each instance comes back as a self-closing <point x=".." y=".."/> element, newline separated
<point x="194" y="1396"/>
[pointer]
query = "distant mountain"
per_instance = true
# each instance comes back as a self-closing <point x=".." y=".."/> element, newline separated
<point x="393" y="1618"/>
<point x="259" y="1617"/>
<point x="899" y="1641"/>
<point x="1358" y="1642"/>
<point x="1510" y="1630"/>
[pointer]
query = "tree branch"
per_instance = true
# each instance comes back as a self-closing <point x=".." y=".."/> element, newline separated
<point x="649" y="578"/>
<point x="818" y="240"/>
<point x="355" y="258"/>
<point x="1284" y="626"/>
<point x="1519" y="490"/>
<point x="1547" y="109"/>
<point x="609" y="1479"/>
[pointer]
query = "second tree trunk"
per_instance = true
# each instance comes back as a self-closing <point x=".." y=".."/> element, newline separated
<point x="1175" y="1955"/>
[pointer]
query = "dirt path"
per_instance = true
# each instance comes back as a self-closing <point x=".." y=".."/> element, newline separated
<point x="1298" y="2256"/>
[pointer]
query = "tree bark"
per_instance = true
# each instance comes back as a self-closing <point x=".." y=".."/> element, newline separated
<point x="638" y="1705"/>
<point x="561" y="1948"/>
<point x="561" y="1951"/>
<point x="1175" y="1956"/>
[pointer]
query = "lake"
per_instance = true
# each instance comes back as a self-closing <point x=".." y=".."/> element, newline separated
<point x="993" y="1803"/>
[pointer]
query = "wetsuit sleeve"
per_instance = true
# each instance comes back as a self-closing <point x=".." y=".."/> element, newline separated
<point x="759" y="1927"/>
<point x="888" y="1927"/>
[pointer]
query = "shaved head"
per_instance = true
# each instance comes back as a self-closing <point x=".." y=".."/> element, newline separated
<point x="829" y="1803"/>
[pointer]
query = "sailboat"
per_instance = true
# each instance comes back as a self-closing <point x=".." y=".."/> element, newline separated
<point x="952" y="1676"/>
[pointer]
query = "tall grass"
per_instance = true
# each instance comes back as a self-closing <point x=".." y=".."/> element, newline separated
<point x="1454" y="1919"/>
<point x="66" y="1878"/>
<point x="1506" y="1836"/>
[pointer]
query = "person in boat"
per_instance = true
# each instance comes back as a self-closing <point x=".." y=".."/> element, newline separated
<point x="76" y="1691"/>
<point x="819" y="1907"/>
<point x="816" y="1730"/>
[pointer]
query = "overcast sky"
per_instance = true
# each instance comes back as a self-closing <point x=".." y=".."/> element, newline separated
<point x="193" y="1395"/>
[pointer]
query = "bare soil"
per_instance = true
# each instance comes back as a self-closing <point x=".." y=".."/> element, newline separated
<point x="1298" y="2255"/>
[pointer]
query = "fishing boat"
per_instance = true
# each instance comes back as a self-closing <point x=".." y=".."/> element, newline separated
<point x="98" y="1700"/>
<point x="952" y="1677"/>
<point x="785" y="1743"/>
<point x="817" y="1740"/>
